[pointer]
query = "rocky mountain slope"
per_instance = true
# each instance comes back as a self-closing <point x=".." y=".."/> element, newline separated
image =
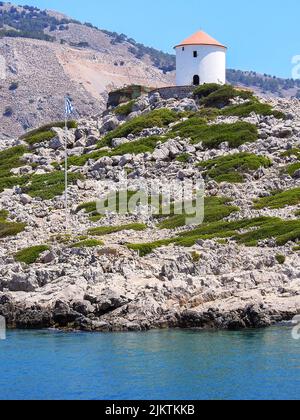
<point x="134" y="271"/>
<point x="64" y="57"/>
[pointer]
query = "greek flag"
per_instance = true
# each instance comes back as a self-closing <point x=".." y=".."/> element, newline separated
<point x="68" y="107"/>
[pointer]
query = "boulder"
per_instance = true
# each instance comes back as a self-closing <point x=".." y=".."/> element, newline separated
<point x="110" y="123"/>
<point x="161" y="154"/>
<point x="92" y="140"/>
<point x="56" y="143"/>
<point x="296" y="175"/>
<point x="21" y="283"/>
<point x="25" y="199"/>
<point x="102" y="163"/>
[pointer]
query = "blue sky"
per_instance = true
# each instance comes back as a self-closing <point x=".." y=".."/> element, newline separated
<point x="262" y="35"/>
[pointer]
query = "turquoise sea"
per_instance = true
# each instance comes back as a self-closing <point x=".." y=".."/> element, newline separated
<point x="184" y="365"/>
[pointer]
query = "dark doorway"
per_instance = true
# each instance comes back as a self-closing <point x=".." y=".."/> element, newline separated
<point x="196" y="80"/>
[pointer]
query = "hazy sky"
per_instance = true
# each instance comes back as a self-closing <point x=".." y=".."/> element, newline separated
<point x="262" y="35"/>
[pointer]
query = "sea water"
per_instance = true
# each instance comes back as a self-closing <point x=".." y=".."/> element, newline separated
<point x="171" y="365"/>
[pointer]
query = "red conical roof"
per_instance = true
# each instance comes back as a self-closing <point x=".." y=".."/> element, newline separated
<point x="200" y="38"/>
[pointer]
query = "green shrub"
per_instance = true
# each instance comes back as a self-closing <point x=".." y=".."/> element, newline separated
<point x="292" y="152"/>
<point x="257" y="229"/>
<point x="208" y="113"/>
<point x="196" y="257"/>
<point x="40" y="137"/>
<point x="88" y="243"/>
<point x="107" y="230"/>
<point x="280" y="259"/>
<point x="215" y="208"/>
<point x="279" y="199"/>
<point x="148" y="248"/>
<point x="291" y="169"/>
<point x="282" y="230"/>
<point x="212" y="136"/>
<point x="48" y="186"/>
<point x="156" y="118"/>
<point x="184" y="158"/>
<point x="244" y="110"/>
<point x="9" y="228"/>
<point x="222" y="96"/>
<point x="231" y="168"/>
<point x="218" y="229"/>
<point x="205" y="90"/>
<point x="10" y="159"/>
<point x="89" y="207"/>
<point x="118" y="200"/>
<point x="48" y="127"/>
<point x="3" y="215"/>
<point x="31" y="254"/>
<point x="125" y="110"/>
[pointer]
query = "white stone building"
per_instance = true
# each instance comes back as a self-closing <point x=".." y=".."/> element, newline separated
<point x="200" y="59"/>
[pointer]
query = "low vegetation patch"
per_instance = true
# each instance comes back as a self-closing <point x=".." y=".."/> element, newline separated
<point x="125" y="109"/>
<point x="184" y="158"/>
<point x="244" y="110"/>
<point x="119" y="200"/>
<point x="48" y="186"/>
<point x="212" y="136"/>
<point x="257" y="229"/>
<point x="9" y="228"/>
<point x="215" y="208"/>
<point x="291" y="169"/>
<point x="39" y="137"/>
<point x="282" y="231"/>
<point x="280" y="259"/>
<point x="30" y="255"/>
<point x="47" y="127"/>
<point x="219" y="96"/>
<point x="156" y="118"/>
<point x="231" y="168"/>
<point x="279" y="199"/>
<point x="295" y="152"/>
<point x="10" y="159"/>
<point x="292" y="153"/>
<point x="107" y="230"/>
<point x="3" y="215"/>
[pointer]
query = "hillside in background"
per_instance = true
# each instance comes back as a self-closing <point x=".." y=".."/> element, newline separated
<point x="48" y="54"/>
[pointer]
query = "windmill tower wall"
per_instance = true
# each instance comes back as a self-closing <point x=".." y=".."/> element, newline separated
<point x="209" y="65"/>
<point x="200" y="59"/>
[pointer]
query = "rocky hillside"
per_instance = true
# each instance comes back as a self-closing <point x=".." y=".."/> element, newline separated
<point x="125" y="271"/>
<point x="48" y="55"/>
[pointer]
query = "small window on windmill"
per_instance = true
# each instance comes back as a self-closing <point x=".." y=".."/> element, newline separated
<point x="195" y="54"/>
<point x="183" y="48"/>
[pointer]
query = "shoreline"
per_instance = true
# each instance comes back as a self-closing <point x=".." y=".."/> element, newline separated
<point x="63" y="318"/>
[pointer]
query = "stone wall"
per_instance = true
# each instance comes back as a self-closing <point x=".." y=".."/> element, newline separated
<point x="178" y="92"/>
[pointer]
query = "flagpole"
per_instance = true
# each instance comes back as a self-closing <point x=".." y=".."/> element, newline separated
<point x="66" y="168"/>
